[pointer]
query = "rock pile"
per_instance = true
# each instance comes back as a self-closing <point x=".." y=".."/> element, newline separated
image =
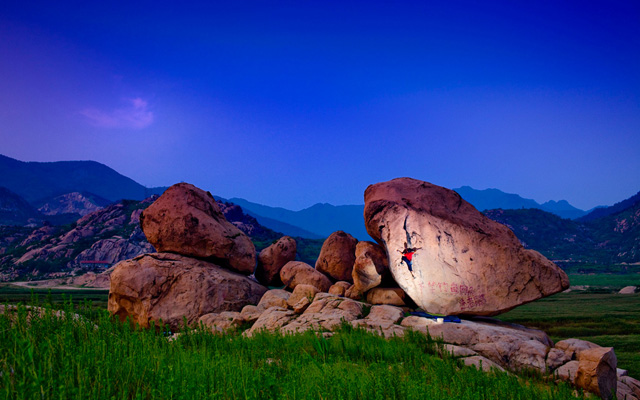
<point x="445" y="255"/>
<point x="201" y="266"/>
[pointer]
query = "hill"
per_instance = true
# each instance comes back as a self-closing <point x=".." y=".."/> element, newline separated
<point x="39" y="181"/>
<point x="105" y="237"/>
<point x="611" y="239"/>
<point x="14" y="210"/>
<point x="616" y="208"/>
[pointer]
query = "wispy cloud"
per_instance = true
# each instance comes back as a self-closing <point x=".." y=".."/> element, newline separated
<point x="135" y="114"/>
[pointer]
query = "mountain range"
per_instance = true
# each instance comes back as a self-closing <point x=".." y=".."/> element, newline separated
<point x="61" y="192"/>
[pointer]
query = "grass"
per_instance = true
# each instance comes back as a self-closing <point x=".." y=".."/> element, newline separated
<point x="614" y="282"/>
<point x="14" y="294"/>
<point x="99" y="358"/>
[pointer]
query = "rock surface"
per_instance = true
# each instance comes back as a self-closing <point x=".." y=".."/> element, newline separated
<point x="337" y="256"/>
<point x="511" y="346"/>
<point x="296" y="273"/>
<point x="171" y="287"/>
<point x="370" y="267"/>
<point x="273" y="258"/>
<point x="186" y="220"/>
<point x="463" y="262"/>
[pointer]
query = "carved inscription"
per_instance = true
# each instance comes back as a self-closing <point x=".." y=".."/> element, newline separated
<point x="467" y="296"/>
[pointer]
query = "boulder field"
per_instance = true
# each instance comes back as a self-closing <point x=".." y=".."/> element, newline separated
<point x="435" y="253"/>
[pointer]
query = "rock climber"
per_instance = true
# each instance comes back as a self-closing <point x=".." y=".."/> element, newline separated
<point x="407" y="256"/>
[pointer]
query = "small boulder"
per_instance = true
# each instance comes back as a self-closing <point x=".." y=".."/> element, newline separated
<point x="274" y="298"/>
<point x="370" y="267"/>
<point x="339" y="288"/>
<point x="597" y="371"/>
<point x="186" y="220"/>
<point x="271" y="320"/>
<point x="301" y="306"/>
<point x="627" y="290"/>
<point x="390" y="296"/>
<point x="172" y="288"/>
<point x="300" y="292"/>
<point x="481" y="363"/>
<point x="353" y="293"/>
<point x="273" y="258"/>
<point x="337" y="256"/>
<point x="220" y="322"/>
<point x="295" y="273"/>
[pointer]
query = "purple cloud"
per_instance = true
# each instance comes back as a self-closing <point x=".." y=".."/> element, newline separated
<point x="134" y="115"/>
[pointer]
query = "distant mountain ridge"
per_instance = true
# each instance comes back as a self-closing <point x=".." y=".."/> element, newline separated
<point x="321" y="219"/>
<point x="489" y="199"/>
<point x="600" y="212"/>
<point x="39" y="181"/>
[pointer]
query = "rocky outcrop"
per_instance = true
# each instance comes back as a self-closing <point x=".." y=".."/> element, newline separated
<point x="337" y="256"/>
<point x="273" y="258"/>
<point x="370" y="267"/>
<point x="186" y="220"/>
<point x="73" y="203"/>
<point x="448" y="257"/>
<point x="174" y="288"/>
<point x="296" y="273"/>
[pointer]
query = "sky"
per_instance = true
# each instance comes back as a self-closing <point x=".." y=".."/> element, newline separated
<point x="298" y="102"/>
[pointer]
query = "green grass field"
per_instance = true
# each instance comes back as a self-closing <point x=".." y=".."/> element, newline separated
<point x="98" y="358"/>
<point x="66" y="359"/>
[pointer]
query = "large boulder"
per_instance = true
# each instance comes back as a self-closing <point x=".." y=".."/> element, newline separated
<point x="450" y="258"/>
<point x="173" y="288"/>
<point x="370" y="267"/>
<point x="273" y="258"/>
<point x="186" y="220"/>
<point x="296" y="273"/>
<point x="337" y="256"/>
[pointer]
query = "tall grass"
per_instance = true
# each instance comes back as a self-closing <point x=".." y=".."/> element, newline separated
<point x="94" y="357"/>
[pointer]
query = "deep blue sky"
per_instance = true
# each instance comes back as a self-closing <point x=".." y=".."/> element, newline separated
<point x="304" y="102"/>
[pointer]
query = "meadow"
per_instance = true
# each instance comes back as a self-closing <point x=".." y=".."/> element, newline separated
<point x="96" y="357"/>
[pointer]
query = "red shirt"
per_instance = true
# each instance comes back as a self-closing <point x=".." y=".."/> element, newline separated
<point x="409" y="255"/>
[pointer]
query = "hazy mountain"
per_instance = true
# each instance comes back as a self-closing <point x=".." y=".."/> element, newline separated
<point x="489" y="199"/>
<point x="107" y="236"/>
<point x="321" y="219"/>
<point x="37" y="182"/>
<point x="600" y="212"/>
<point x="14" y="210"/>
